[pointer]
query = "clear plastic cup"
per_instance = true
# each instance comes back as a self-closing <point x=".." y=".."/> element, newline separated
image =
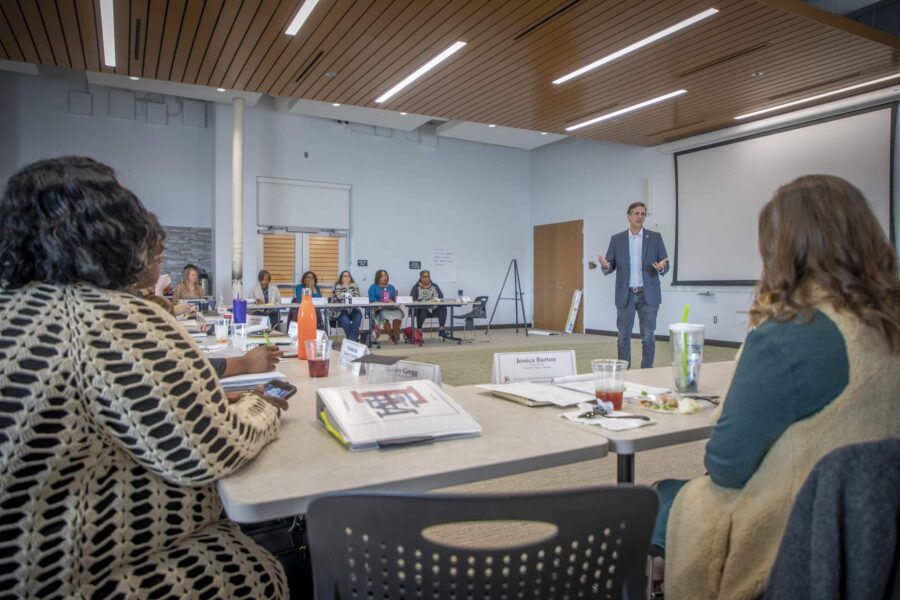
<point x="221" y="329"/>
<point x="239" y="336"/>
<point x="318" y="357"/>
<point x="687" y="355"/>
<point x="609" y="380"/>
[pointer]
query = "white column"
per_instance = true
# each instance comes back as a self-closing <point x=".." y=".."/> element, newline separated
<point x="237" y="200"/>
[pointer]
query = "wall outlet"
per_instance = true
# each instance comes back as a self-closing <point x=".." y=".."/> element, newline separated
<point x="715" y="319"/>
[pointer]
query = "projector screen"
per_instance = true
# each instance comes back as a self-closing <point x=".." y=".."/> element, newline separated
<point x="720" y="189"/>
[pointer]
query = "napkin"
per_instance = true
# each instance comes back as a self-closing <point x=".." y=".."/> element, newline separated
<point x="611" y="424"/>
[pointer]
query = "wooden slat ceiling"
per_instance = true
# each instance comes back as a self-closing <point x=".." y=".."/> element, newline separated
<point x="351" y="51"/>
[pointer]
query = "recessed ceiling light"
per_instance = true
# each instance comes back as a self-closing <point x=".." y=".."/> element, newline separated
<point x="134" y="78"/>
<point x="301" y="17"/>
<point x="543" y="133"/>
<point x="757" y="73"/>
<point x="627" y="109"/>
<point x="491" y="125"/>
<point x="817" y="97"/>
<point x="108" y="27"/>
<point x="330" y="74"/>
<point x="637" y="45"/>
<point x="421" y="71"/>
<point x="220" y="89"/>
<point x="404" y="114"/>
<point x="335" y="104"/>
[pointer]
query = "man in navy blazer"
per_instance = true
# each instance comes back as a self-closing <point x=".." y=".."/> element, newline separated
<point x="639" y="257"/>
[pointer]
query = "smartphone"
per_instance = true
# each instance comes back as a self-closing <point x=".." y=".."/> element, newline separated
<point x="279" y="388"/>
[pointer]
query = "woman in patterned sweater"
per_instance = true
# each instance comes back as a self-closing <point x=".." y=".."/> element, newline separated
<point x="114" y="428"/>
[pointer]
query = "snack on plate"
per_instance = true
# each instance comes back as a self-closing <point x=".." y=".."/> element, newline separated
<point x="688" y="406"/>
<point x="669" y="401"/>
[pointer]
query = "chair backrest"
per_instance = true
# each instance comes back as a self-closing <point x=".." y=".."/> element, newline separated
<point x="479" y="308"/>
<point x="842" y="539"/>
<point x="381" y="545"/>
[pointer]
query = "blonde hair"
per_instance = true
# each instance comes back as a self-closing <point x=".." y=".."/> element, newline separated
<point x="818" y="238"/>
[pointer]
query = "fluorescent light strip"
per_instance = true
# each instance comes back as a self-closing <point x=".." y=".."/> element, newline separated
<point x="421" y="71"/>
<point x="301" y="17"/>
<point x="626" y="110"/>
<point x="108" y="27"/>
<point x="812" y="98"/>
<point x="637" y="45"/>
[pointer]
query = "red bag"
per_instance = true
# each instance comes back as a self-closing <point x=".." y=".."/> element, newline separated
<point x="413" y="336"/>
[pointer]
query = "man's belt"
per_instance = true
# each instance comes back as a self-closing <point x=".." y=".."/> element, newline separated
<point x="639" y="290"/>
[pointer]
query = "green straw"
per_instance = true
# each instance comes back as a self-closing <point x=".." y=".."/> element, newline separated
<point x="684" y="351"/>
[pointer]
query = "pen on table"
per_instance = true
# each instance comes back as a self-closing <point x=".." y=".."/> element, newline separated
<point x="266" y="337"/>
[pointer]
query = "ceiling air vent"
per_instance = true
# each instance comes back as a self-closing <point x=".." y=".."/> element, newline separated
<point x="724" y="59"/>
<point x="676" y="128"/>
<point x="309" y="66"/>
<point x="545" y="19"/>
<point x="814" y="86"/>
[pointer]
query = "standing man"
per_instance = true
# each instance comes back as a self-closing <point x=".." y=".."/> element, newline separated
<point x="641" y="258"/>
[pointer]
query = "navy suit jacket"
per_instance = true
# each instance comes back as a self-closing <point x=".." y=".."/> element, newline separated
<point x="619" y="259"/>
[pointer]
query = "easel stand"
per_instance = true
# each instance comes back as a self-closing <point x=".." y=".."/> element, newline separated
<point x="516" y="297"/>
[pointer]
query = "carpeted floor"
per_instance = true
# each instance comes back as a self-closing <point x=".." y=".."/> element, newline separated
<point x="471" y="363"/>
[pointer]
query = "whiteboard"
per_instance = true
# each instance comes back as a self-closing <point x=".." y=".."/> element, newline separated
<point x="721" y="189"/>
<point x="303" y="205"/>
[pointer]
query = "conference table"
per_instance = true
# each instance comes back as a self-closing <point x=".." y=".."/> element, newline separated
<point x="368" y="307"/>
<point x="669" y="429"/>
<point x="306" y="461"/>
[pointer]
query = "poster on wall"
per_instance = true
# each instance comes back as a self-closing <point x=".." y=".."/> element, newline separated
<point x="443" y="265"/>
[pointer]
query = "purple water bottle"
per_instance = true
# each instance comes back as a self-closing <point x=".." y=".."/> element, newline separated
<point x="385" y="296"/>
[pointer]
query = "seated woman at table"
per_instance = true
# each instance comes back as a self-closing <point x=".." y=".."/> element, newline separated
<point x="266" y="292"/>
<point x="820" y="369"/>
<point x="311" y="282"/>
<point x="348" y="318"/>
<point x="189" y="288"/>
<point x="115" y="426"/>
<point x="426" y="290"/>
<point x="388" y="318"/>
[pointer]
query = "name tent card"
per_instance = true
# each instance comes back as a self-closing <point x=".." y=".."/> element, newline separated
<point x="404" y="299"/>
<point x="359" y="300"/>
<point x="320" y="301"/>
<point x="407" y="370"/>
<point x="350" y="351"/>
<point x="510" y="367"/>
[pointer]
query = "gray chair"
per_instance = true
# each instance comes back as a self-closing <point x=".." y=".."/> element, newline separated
<point x="381" y="545"/>
<point x="479" y="311"/>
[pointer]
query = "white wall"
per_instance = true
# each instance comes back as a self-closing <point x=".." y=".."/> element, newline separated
<point x="578" y="179"/>
<point x="168" y="167"/>
<point x="406" y="198"/>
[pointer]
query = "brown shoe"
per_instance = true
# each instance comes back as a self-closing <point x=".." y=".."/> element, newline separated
<point x="396" y="336"/>
<point x="386" y="329"/>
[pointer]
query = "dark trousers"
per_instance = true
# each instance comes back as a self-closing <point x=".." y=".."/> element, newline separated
<point x="350" y="320"/>
<point x="423" y="313"/>
<point x="647" y="322"/>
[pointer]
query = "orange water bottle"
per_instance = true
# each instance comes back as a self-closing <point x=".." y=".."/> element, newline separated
<point x="306" y="323"/>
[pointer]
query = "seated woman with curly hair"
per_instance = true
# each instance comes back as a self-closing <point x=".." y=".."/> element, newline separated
<point x="819" y="370"/>
<point x="115" y="428"/>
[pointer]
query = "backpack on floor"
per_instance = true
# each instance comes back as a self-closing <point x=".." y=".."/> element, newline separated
<point x="413" y="336"/>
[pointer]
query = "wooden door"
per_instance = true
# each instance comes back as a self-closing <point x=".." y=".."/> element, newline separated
<point x="558" y="272"/>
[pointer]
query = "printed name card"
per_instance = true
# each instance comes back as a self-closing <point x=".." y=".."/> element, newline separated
<point x="532" y="366"/>
<point x="404" y="299"/>
<point x="350" y="351"/>
<point x="320" y="301"/>
<point x="407" y="370"/>
<point x="359" y="300"/>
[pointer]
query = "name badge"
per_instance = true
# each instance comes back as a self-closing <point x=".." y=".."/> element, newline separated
<point x="510" y="367"/>
<point x="350" y="351"/>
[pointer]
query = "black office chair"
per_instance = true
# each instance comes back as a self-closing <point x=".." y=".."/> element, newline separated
<point x="479" y="311"/>
<point x="842" y="539"/>
<point x="592" y="543"/>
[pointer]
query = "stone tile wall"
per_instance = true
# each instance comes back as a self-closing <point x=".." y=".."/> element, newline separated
<point x="188" y="245"/>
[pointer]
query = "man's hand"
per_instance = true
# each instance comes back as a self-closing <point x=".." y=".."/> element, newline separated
<point x="604" y="264"/>
<point x="659" y="266"/>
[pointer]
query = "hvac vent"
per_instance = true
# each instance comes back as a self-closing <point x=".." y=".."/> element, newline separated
<point x="309" y="66"/>
<point x="544" y="20"/>
<point x="724" y="59"/>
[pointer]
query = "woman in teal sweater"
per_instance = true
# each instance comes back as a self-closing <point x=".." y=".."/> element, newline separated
<point x="383" y="291"/>
<point x="828" y="269"/>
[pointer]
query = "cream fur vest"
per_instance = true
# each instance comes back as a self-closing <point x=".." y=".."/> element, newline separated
<point x="721" y="542"/>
